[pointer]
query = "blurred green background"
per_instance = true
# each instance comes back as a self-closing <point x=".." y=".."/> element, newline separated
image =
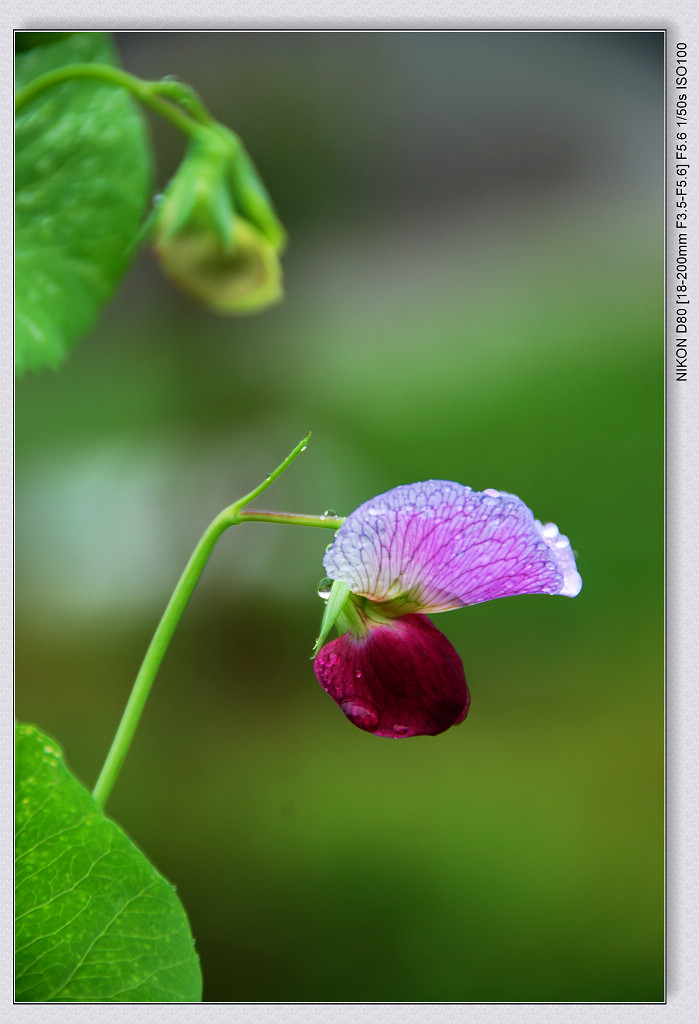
<point x="474" y="292"/>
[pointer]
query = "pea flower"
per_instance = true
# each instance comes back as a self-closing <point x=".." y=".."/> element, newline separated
<point x="424" y="547"/>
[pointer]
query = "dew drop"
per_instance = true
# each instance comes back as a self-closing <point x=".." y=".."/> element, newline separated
<point x="324" y="588"/>
<point x="358" y="674"/>
<point x="401" y="730"/>
<point x="362" y="713"/>
<point x="329" y="512"/>
<point x="159" y="199"/>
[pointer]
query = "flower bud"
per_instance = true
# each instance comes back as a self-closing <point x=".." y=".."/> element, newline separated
<point x="217" y="239"/>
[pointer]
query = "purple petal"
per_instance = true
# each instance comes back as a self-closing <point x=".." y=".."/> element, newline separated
<point x="440" y="545"/>
<point x="401" y="679"/>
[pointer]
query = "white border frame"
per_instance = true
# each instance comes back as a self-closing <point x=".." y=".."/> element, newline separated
<point x="682" y="469"/>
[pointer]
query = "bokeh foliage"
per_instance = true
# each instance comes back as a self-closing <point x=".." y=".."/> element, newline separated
<point x="474" y="292"/>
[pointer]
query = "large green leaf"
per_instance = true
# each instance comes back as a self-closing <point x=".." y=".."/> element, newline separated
<point x="82" y="179"/>
<point x="94" y="919"/>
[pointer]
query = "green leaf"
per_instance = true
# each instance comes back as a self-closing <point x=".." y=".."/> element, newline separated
<point x="94" y="919"/>
<point x="28" y="40"/>
<point x="82" y="173"/>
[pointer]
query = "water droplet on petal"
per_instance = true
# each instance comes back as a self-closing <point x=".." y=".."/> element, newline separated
<point x="361" y="713"/>
<point x="358" y="674"/>
<point x="324" y="588"/>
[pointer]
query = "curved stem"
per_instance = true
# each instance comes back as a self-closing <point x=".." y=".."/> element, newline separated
<point x="146" y="92"/>
<point x="154" y="656"/>
<point x="231" y="516"/>
<point x="185" y="97"/>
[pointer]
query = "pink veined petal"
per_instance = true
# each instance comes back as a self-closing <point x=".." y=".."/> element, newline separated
<point x="445" y="545"/>
<point x="401" y="679"/>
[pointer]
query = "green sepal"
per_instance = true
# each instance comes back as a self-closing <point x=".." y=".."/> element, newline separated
<point x="216" y="181"/>
<point x="339" y="596"/>
<point x="198" y="197"/>
<point x="252" y="199"/>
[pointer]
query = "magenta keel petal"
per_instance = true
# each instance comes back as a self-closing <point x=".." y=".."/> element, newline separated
<point x="401" y="679"/>
<point x="439" y="545"/>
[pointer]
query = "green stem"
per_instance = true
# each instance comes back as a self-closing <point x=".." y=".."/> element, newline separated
<point x="146" y="92"/>
<point x="331" y="522"/>
<point x="231" y="516"/>
<point x="185" y="97"/>
<point x="153" y="658"/>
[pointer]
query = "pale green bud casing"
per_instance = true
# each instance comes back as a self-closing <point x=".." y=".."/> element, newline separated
<point x="206" y="240"/>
